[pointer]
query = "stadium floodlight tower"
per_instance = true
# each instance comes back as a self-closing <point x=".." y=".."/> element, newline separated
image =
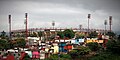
<point x="53" y="24"/>
<point x="105" y="23"/>
<point x="26" y="25"/>
<point x="110" y="22"/>
<point x="80" y="27"/>
<point x="9" y="17"/>
<point x="89" y="16"/>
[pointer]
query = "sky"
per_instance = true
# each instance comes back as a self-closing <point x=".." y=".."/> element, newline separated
<point x="65" y="13"/>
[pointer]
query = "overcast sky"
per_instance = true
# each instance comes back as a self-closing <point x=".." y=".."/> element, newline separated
<point x="65" y="13"/>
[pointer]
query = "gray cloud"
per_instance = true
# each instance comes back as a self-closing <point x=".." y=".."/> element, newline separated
<point x="66" y="13"/>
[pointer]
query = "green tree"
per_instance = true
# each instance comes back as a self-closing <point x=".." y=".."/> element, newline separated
<point x="113" y="46"/>
<point x="52" y="57"/>
<point x="40" y="34"/>
<point x="60" y="34"/>
<point x="52" y="36"/>
<point x="65" y="57"/>
<point x="4" y="44"/>
<point x="21" y="42"/>
<point x="69" y="33"/>
<point x="79" y="52"/>
<point x="34" y="34"/>
<point x="119" y="37"/>
<point x="94" y="46"/>
<point x="74" y="54"/>
<point x="79" y="35"/>
<point x="111" y="34"/>
<point x="93" y="34"/>
<point x="3" y="35"/>
<point x="18" y="35"/>
<point x="83" y="50"/>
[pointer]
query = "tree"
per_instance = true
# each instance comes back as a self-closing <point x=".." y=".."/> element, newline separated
<point x="4" y="44"/>
<point x="113" y="46"/>
<point x="74" y="54"/>
<point x="94" y="46"/>
<point x="34" y="34"/>
<point x="79" y="35"/>
<point x="18" y="35"/>
<point x="69" y="33"/>
<point x="119" y="37"/>
<point x="83" y="50"/>
<point x="40" y="34"/>
<point x="3" y="35"/>
<point x="79" y="52"/>
<point x="93" y="34"/>
<point x="60" y="34"/>
<point x="52" y="36"/>
<point x="111" y="34"/>
<point x="21" y="42"/>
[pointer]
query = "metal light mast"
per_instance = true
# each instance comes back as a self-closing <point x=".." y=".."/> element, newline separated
<point x="53" y="24"/>
<point x="9" y="16"/>
<point x="80" y="26"/>
<point x="89" y="16"/>
<point x="26" y="24"/>
<point x="105" y="23"/>
<point x="110" y="22"/>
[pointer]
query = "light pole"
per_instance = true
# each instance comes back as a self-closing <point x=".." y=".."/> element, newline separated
<point x="89" y="16"/>
<point x="105" y="23"/>
<point x="9" y="16"/>
<point x="26" y="25"/>
<point x="80" y="26"/>
<point x="53" y="24"/>
<point x="110" y="22"/>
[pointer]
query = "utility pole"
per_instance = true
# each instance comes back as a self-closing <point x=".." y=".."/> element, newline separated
<point x="110" y="22"/>
<point x="9" y="16"/>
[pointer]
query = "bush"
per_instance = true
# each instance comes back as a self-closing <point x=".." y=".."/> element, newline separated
<point x="94" y="46"/>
